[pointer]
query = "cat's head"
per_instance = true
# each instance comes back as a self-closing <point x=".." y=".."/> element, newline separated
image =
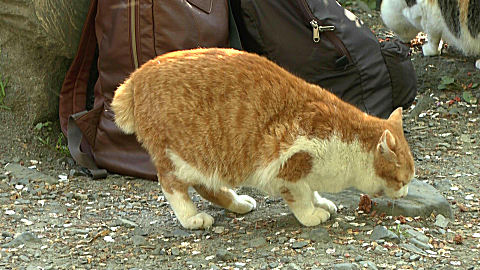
<point x="393" y="161"/>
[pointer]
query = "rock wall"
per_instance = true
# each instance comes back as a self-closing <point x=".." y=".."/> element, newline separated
<point x="38" y="40"/>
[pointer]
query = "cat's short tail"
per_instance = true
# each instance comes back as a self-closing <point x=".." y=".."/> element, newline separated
<point x="123" y="107"/>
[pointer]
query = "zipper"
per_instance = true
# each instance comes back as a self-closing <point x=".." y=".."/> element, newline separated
<point x="133" y="31"/>
<point x="328" y="31"/>
<point x="317" y="29"/>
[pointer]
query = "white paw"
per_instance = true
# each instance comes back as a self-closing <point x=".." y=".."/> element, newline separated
<point x="430" y="49"/>
<point x="198" y="221"/>
<point x="326" y="204"/>
<point x="243" y="204"/>
<point x="477" y="64"/>
<point x="313" y="218"/>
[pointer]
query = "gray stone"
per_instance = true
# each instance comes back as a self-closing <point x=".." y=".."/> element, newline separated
<point x="381" y="232"/>
<point x="18" y="171"/>
<point x="422" y="200"/>
<point x="179" y="233"/>
<point x="139" y="231"/>
<point x="175" y="251"/>
<point x="345" y="266"/>
<point x="127" y="223"/>
<point x="139" y="240"/>
<point x="412" y="248"/>
<point x="441" y="221"/>
<point x="442" y="184"/>
<point x="380" y="250"/>
<point x="158" y="251"/>
<point x="24" y="258"/>
<point x="257" y="242"/>
<point x="224" y="255"/>
<point x="218" y="229"/>
<point x="293" y="266"/>
<point x="319" y="235"/>
<point x="282" y="239"/>
<point x="414" y="257"/>
<point x="24" y="238"/>
<point x="20" y="181"/>
<point x="423" y="104"/>
<point x="419" y="244"/>
<point x="465" y="138"/>
<point x="299" y="244"/>
<point x="22" y="201"/>
<point x="273" y="264"/>
<point x="418" y="235"/>
<point x="368" y="265"/>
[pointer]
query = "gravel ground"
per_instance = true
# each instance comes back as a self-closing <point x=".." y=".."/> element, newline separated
<point x="54" y="217"/>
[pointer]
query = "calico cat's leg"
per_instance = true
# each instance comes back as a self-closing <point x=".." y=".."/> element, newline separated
<point x="477" y="64"/>
<point x="324" y="203"/>
<point x="176" y="193"/>
<point x="227" y="199"/>
<point x="432" y="47"/>
<point x="300" y="200"/>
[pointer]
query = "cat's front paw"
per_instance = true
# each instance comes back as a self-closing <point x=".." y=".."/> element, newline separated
<point x="326" y="204"/>
<point x="198" y="221"/>
<point x="477" y="64"/>
<point x="313" y="217"/>
<point x="243" y="204"/>
<point x="429" y="49"/>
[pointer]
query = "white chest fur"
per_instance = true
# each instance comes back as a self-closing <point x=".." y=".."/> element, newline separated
<point x="336" y="165"/>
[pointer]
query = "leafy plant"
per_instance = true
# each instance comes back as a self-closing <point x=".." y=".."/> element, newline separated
<point x="3" y="93"/>
<point x="44" y="141"/>
<point x="469" y="98"/>
<point x="446" y="82"/>
<point x="60" y="146"/>
<point x="45" y="134"/>
<point x="46" y="125"/>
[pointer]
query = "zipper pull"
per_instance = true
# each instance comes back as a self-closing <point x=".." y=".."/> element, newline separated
<point x="319" y="28"/>
<point x="326" y="28"/>
<point x="316" y="32"/>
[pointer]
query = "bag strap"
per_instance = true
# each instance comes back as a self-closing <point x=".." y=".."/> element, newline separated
<point x="75" y="137"/>
<point x="233" y="34"/>
<point x="73" y="95"/>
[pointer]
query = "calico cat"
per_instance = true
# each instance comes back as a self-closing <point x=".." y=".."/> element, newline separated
<point x="216" y="119"/>
<point x="455" y="21"/>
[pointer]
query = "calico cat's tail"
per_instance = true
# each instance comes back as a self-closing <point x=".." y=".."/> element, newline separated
<point x="123" y="107"/>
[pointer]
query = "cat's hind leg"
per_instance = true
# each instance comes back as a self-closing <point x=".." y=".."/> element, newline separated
<point x="176" y="193"/>
<point x="227" y="199"/>
<point x="324" y="203"/>
<point x="301" y="201"/>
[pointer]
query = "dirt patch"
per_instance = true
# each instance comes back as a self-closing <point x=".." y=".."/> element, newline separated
<point x="125" y="223"/>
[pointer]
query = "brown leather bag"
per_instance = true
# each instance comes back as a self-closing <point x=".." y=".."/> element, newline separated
<point x="125" y="34"/>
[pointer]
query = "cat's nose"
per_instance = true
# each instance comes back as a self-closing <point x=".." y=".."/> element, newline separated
<point x="404" y="191"/>
<point x="401" y="193"/>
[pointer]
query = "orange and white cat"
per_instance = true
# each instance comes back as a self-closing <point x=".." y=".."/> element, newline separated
<point x="217" y="119"/>
<point x="455" y="21"/>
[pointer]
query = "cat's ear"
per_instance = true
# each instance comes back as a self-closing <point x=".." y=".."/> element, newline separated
<point x="396" y="115"/>
<point x="385" y="146"/>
